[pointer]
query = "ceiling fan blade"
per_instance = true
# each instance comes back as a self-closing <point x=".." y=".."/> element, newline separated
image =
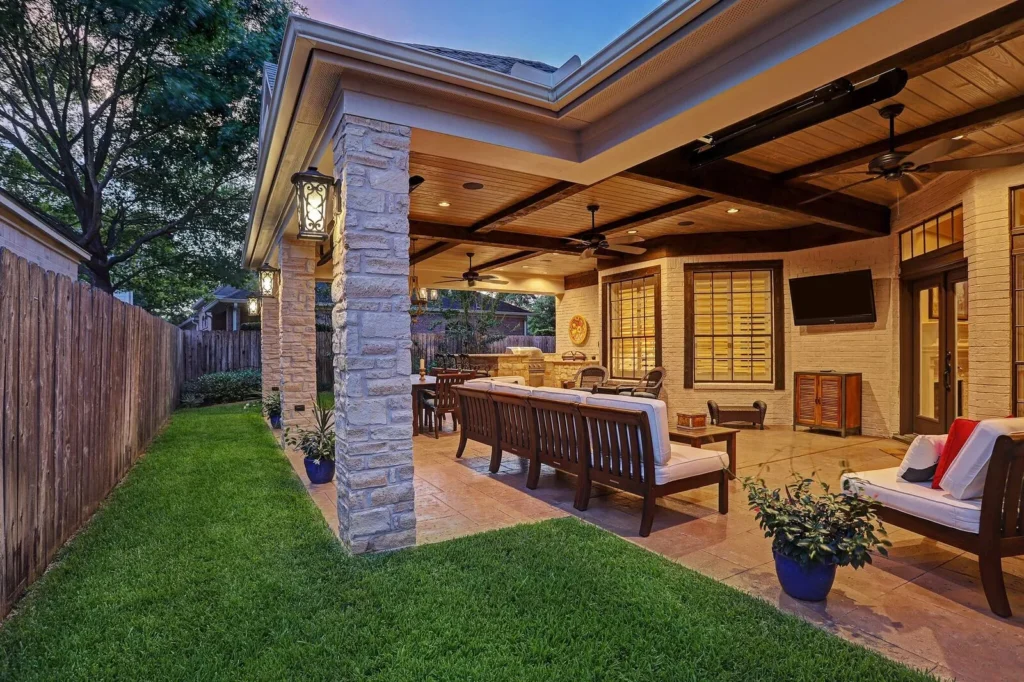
<point x="588" y="254"/>
<point x="935" y="150"/>
<point x="487" y="277"/>
<point x="625" y="239"/>
<point x="977" y="162"/>
<point x="824" y="173"/>
<point x="841" y="189"/>
<point x="577" y="240"/>
<point x="909" y="184"/>
<point x="497" y="281"/>
<point x="622" y="248"/>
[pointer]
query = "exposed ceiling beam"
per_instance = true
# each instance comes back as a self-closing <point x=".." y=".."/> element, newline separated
<point x="731" y="181"/>
<point x="996" y="27"/>
<point x="964" y="124"/>
<point x="431" y="251"/>
<point x="542" y="199"/>
<point x="753" y="241"/>
<point x="499" y="238"/>
<point x="629" y="222"/>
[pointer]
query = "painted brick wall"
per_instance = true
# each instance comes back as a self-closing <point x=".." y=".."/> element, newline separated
<point x="582" y="301"/>
<point x="36" y="252"/>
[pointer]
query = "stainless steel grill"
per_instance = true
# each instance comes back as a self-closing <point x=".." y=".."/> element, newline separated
<point x="533" y="358"/>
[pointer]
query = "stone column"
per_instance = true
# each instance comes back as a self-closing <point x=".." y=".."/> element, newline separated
<point x="270" y="345"/>
<point x="372" y="341"/>
<point x="297" y="329"/>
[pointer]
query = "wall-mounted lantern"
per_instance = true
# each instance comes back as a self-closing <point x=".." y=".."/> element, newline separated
<point x="314" y="194"/>
<point x="267" y="277"/>
<point x="253" y="306"/>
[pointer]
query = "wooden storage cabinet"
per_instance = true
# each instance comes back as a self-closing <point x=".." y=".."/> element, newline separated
<point x="830" y="401"/>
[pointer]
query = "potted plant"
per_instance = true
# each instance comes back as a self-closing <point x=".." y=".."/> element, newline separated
<point x="812" y="535"/>
<point x="272" y="408"/>
<point x="317" y="444"/>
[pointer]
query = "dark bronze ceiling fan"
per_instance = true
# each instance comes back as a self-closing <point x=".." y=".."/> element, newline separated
<point x="900" y="167"/>
<point x="594" y="241"/>
<point x="471" y="276"/>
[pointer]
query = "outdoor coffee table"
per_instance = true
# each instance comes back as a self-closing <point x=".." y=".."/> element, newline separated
<point x="709" y="434"/>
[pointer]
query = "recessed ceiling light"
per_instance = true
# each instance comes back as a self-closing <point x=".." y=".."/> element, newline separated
<point x="443" y="204"/>
<point x="685" y="223"/>
<point x="732" y="210"/>
<point x="472" y="185"/>
<point x="959" y="137"/>
<point x="632" y="231"/>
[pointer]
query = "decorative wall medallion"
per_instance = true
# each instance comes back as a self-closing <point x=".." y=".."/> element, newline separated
<point x="579" y="330"/>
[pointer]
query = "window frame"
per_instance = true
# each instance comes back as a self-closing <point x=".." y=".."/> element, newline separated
<point x="606" y="340"/>
<point x="938" y="251"/>
<point x="778" y="382"/>
<point x="1016" y="236"/>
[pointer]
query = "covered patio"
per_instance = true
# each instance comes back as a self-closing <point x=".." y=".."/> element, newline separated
<point x="667" y="193"/>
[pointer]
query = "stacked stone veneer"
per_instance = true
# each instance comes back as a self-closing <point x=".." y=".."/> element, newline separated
<point x="372" y="362"/>
<point x="270" y="344"/>
<point x="297" y="332"/>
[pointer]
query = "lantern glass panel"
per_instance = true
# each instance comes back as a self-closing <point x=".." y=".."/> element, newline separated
<point x="254" y="306"/>
<point x="267" y="282"/>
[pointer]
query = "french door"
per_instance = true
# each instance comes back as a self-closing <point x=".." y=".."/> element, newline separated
<point x="941" y="358"/>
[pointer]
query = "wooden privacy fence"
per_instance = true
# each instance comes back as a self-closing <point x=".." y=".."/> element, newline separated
<point x="86" y="381"/>
<point x="220" y="351"/>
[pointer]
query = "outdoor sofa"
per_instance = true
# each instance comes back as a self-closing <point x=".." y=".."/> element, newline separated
<point x="613" y="440"/>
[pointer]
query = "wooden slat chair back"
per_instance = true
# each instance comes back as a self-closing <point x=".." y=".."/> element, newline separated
<point x="477" y="418"/>
<point x="621" y="456"/>
<point x="442" y="402"/>
<point x="516" y="428"/>
<point x="561" y="440"/>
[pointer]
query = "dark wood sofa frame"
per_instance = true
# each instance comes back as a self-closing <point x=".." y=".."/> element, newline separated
<point x="604" y="445"/>
<point x="1001" y="531"/>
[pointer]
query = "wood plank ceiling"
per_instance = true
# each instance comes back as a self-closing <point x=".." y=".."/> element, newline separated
<point x="974" y="73"/>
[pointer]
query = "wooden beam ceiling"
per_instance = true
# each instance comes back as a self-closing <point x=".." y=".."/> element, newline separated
<point x="431" y="251"/>
<point x="731" y="181"/>
<point x="542" y="199"/>
<point x="964" y="124"/>
<point x="466" y="235"/>
<point x="984" y="32"/>
<point x="690" y="203"/>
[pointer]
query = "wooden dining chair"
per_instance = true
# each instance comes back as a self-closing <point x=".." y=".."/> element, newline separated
<point x="442" y="402"/>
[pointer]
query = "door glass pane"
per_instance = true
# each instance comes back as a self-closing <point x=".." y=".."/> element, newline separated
<point x="961" y="346"/>
<point x="945" y="229"/>
<point x="928" y="396"/>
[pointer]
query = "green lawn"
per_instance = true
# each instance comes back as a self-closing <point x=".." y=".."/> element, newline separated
<point x="211" y="563"/>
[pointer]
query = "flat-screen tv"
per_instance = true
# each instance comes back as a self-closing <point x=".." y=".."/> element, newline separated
<point x="841" y="298"/>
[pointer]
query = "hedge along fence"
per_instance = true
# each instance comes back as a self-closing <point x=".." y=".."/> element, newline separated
<point x="220" y="351"/>
<point x="86" y="381"/>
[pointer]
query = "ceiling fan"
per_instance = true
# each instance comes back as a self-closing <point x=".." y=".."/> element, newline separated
<point x="896" y="166"/>
<point x="594" y="241"/>
<point x="471" y="276"/>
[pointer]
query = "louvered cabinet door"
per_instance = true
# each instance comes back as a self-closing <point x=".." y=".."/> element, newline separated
<point x="806" y="408"/>
<point x="830" y="401"/>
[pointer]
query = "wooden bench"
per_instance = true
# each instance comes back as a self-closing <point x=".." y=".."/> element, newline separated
<point x="1000" y="522"/>
<point x="753" y="414"/>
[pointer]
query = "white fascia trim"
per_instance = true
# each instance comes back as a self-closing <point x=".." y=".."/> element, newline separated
<point x="24" y="214"/>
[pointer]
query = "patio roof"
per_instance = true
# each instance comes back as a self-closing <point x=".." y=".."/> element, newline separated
<point x="688" y="71"/>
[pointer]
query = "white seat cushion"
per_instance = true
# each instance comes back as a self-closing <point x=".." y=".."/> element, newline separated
<point x="916" y="499"/>
<point x="656" y="411"/>
<point x="923" y="454"/>
<point x="687" y="462"/>
<point x="510" y="379"/>
<point x="511" y="389"/>
<point x="965" y="478"/>
<point x="562" y="395"/>
<point x="484" y="384"/>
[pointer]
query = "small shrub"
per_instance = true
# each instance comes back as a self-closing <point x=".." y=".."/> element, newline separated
<point x="223" y="387"/>
<point x="270" y="405"/>
<point x="316" y="443"/>
<point x="250" y="326"/>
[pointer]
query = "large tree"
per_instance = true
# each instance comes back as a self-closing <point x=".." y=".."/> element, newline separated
<point x="133" y="123"/>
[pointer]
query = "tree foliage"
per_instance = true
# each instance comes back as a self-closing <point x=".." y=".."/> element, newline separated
<point x="133" y="124"/>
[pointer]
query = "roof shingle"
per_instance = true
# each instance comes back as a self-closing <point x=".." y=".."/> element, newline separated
<point x="493" y="62"/>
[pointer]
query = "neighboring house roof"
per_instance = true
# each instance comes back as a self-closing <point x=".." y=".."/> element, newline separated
<point x="23" y="216"/>
<point x="502" y="307"/>
<point x="270" y="73"/>
<point x="493" y="62"/>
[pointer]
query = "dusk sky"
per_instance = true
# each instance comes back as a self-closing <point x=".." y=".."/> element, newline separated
<point x="546" y="30"/>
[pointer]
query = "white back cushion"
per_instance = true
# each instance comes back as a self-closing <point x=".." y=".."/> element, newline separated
<point x="923" y="453"/>
<point x="480" y="384"/>
<point x="510" y="389"/>
<point x="656" y="411"/>
<point x="560" y="394"/>
<point x="965" y="478"/>
<point x="510" y="379"/>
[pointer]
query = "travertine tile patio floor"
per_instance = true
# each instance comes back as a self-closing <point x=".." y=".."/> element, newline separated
<point x="923" y="605"/>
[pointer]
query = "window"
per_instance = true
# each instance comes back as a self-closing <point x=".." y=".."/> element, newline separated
<point x="935" y="233"/>
<point x="632" y="322"/>
<point x="1017" y="287"/>
<point x="734" y="323"/>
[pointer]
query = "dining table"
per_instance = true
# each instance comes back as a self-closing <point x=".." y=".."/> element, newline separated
<point x="418" y="386"/>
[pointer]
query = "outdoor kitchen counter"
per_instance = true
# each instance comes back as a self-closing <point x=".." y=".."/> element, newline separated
<point x="557" y="370"/>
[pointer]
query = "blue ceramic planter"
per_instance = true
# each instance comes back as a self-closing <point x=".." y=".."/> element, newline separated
<point x="275" y="421"/>
<point x="319" y="472"/>
<point x="809" y="583"/>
